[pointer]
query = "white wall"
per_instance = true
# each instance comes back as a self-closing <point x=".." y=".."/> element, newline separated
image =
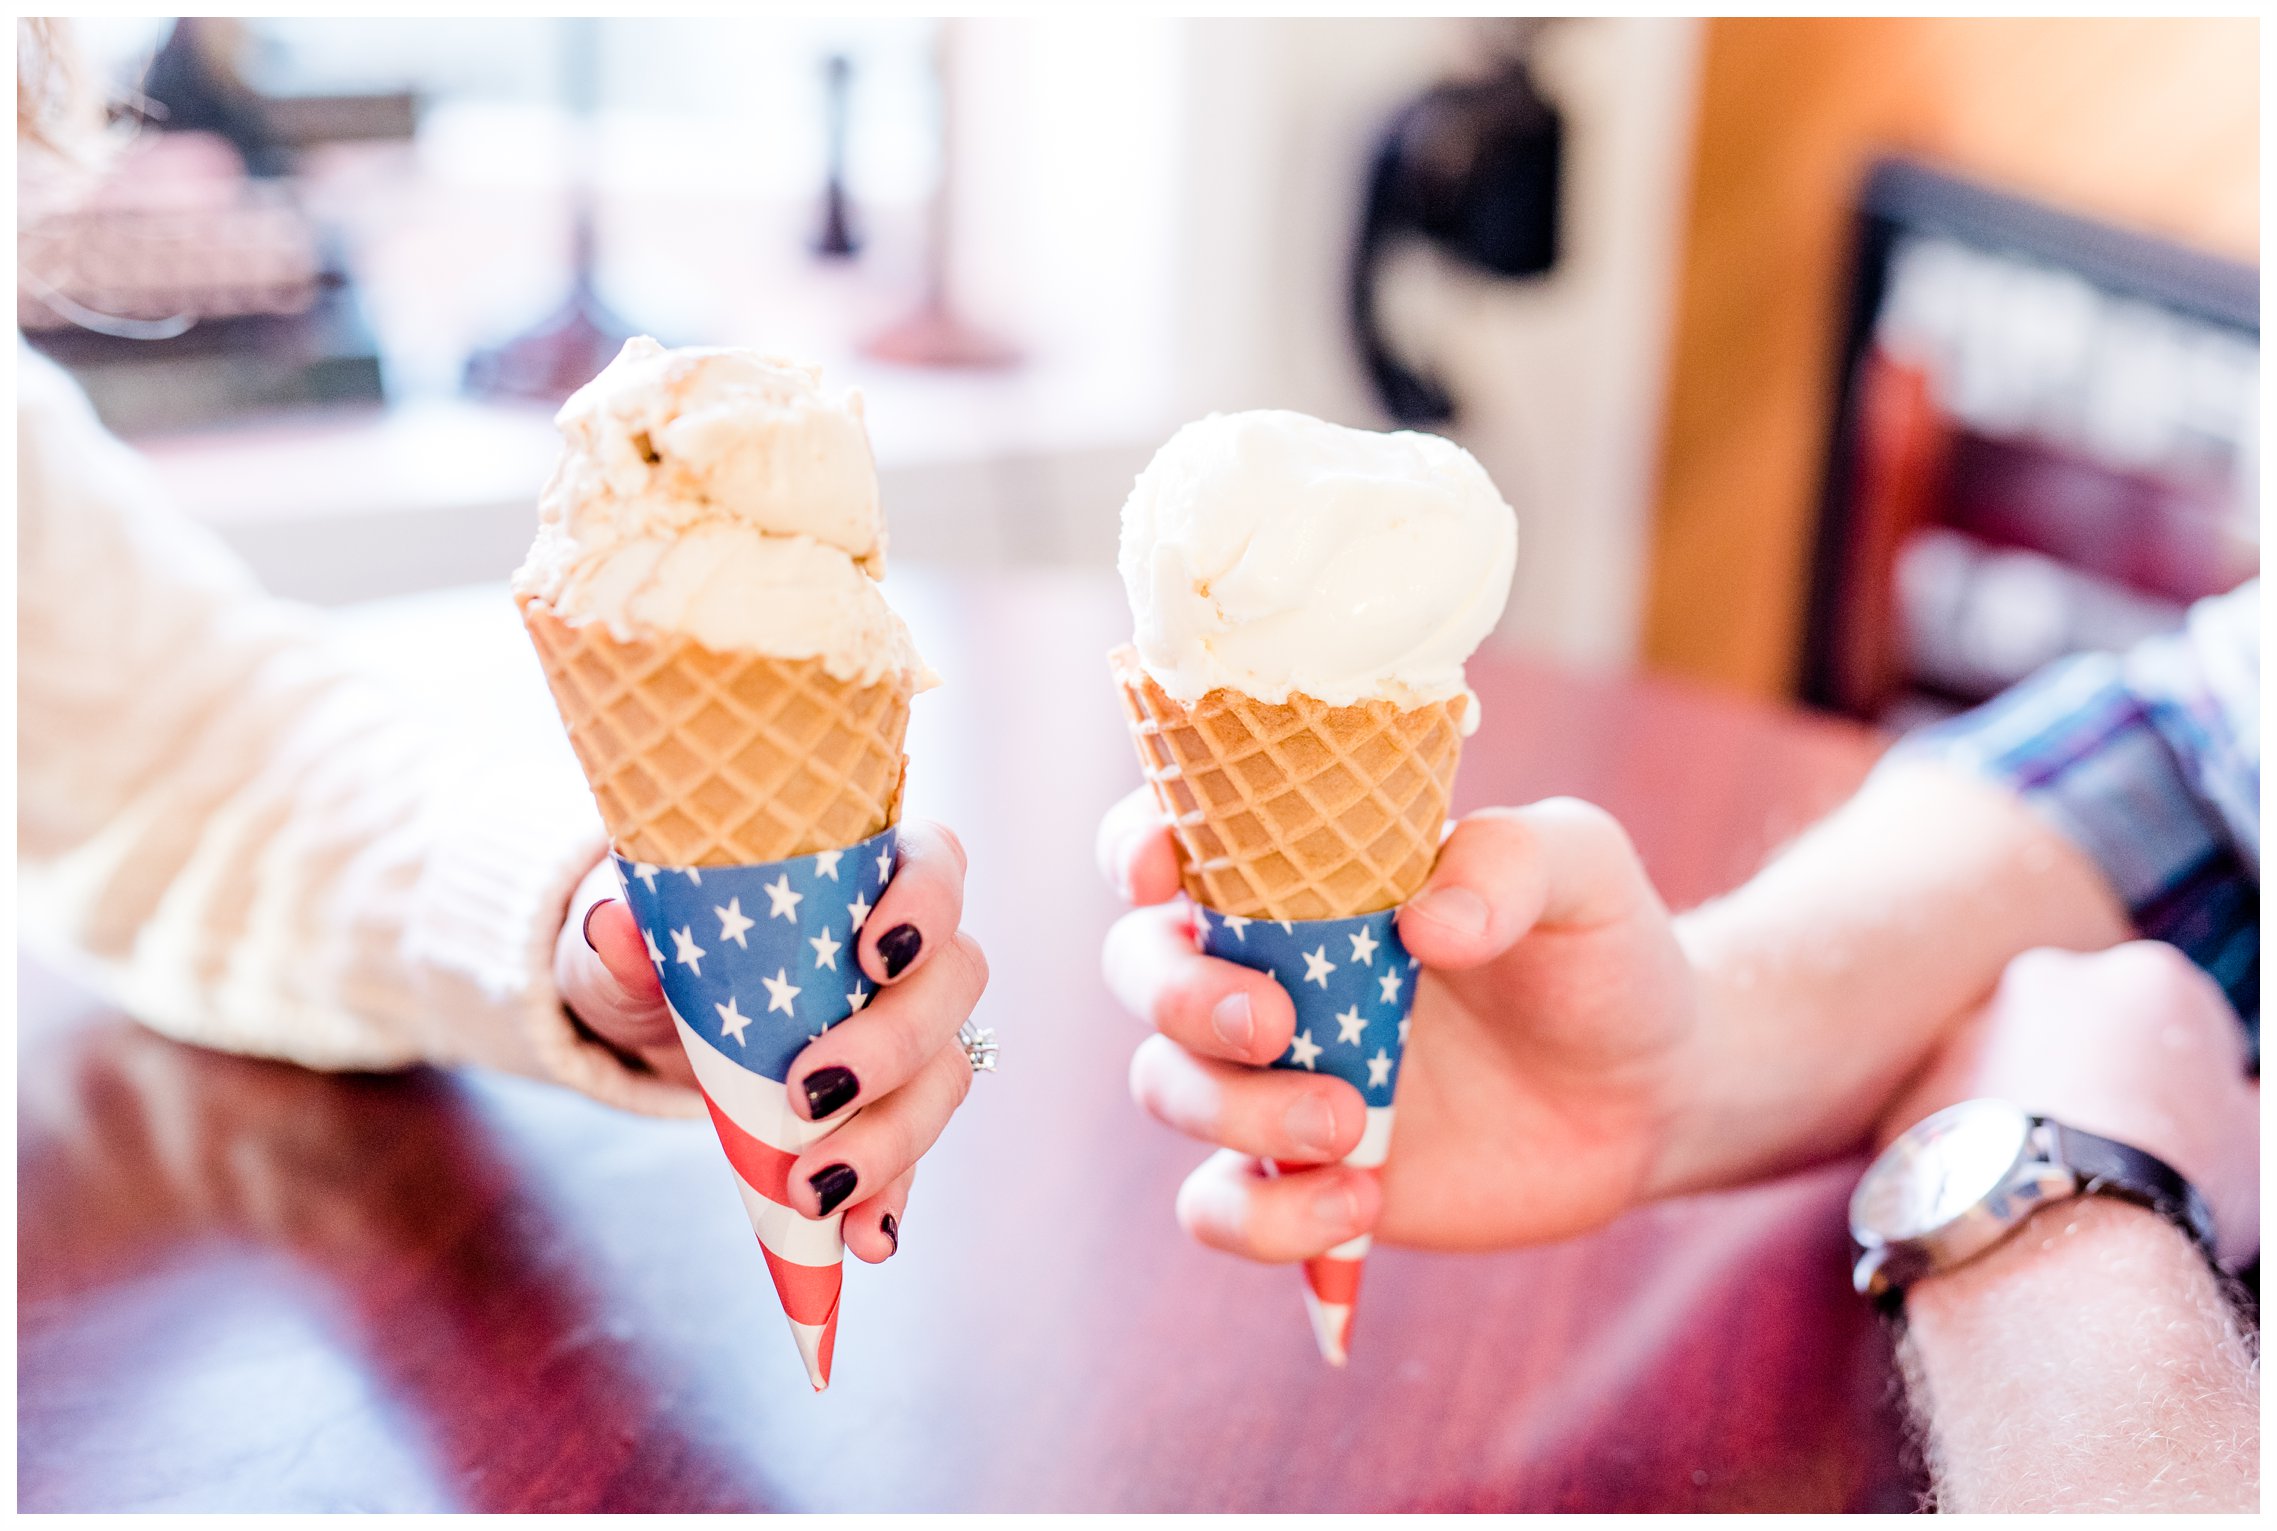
<point x="1561" y="379"/>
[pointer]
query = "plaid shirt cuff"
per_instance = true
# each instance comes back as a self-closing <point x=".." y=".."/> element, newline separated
<point x="2120" y="769"/>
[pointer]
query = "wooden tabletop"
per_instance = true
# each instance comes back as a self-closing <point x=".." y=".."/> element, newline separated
<point x="245" y="1286"/>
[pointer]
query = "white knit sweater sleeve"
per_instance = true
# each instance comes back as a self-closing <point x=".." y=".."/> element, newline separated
<point x="241" y="840"/>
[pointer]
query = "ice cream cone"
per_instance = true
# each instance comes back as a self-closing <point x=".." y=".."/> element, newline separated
<point x="1298" y="811"/>
<point x="1295" y="810"/>
<point x="700" y="759"/>
<point x="702" y="591"/>
<point x="1304" y="597"/>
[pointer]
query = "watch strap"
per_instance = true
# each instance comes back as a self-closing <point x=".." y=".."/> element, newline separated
<point x="2107" y="1168"/>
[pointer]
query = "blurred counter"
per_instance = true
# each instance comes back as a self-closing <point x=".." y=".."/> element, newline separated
<point x="333" y="506"/>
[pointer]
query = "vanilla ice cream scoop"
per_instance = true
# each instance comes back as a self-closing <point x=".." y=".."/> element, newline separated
<point x="1271" y="553"/>
<point x="722" y="495"/>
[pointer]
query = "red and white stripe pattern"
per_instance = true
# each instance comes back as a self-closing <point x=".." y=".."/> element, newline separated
<point x="763" y="1138"/>
<point x="1332" y="1280"/>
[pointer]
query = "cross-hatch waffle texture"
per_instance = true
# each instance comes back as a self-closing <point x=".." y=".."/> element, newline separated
<point x="701" y="758"/>
<point x="1295" y="810"/>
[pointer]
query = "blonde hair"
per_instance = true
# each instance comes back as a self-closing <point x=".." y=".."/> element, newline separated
<point x="61" y="114"/>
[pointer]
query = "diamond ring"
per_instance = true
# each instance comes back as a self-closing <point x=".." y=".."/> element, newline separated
<point x="979" y="1043"/>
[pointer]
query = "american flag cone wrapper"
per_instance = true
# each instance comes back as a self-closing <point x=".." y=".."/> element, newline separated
<point x="1353" y="985"/>
<point x="1301" y="828"/>
<point x="757" y="960"/>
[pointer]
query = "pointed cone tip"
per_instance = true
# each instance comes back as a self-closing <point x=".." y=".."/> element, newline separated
<point x="818" y="1343"/>
<point x="1331" y="1328"/>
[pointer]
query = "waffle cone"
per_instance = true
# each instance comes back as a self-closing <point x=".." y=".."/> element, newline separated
<point x="1295" y="810"/>
<point x="703" y="758"/>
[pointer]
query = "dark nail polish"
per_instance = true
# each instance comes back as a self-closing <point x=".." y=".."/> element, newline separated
<point x="827" y="1089"/>
<point x="897" y="948"/>
<point x="891" y="1228"/>
<point x="586" y="928"/>
<point x="833" y="1183"/>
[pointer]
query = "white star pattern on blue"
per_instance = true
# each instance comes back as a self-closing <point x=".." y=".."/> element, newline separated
<point x="771" y="982"/>
<point x="825" y="950"/>
<point x="686" y="951"/>
<point x="733" y="922"/>
<point x="1351" y="1016"/>
<point x="780" y="992"/>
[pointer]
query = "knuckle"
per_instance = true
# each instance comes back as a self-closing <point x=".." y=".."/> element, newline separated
<point x="1182" y="1006"/>
<point x="1596" y="826"/>
<point x="1500" y="820"/>
<point x="955" y="845"/>
<point x="974" y="959"/>
<point x="1210" y="1210"/>
<point x="2040" y="965"/>
<point x="2153" y="960"/>
<point x="2169" y="978"/>
<point x="1120" y="946"/>
<point x="960" y="1076"/>
<point x="909" y="1139"/>
<point x="1145" y="1066"/>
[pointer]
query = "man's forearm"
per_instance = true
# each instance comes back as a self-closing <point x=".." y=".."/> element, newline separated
<point x="2089" y="1363"/>
<point x="1829" y="977"/>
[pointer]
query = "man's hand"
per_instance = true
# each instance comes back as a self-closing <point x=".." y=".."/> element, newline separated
<point x="1574" y="1051"/>
<point x="2135" y="1044"/>
<point x="1553" y="1007"/>
<point x="2091" y="1361"/>
<point x="897" y="1058"/>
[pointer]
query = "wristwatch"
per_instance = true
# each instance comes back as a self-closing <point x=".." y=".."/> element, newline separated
<point x="1953" y="1186"/>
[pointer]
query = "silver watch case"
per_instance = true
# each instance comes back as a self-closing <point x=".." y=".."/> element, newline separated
<point x="1890" y="1259"/>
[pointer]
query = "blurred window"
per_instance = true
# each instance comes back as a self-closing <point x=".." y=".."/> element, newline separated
<point x="424" y="207"/>
<point x="2046" y="442"/>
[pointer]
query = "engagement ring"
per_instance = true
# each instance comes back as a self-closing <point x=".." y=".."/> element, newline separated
<point x="979" y="1043"/>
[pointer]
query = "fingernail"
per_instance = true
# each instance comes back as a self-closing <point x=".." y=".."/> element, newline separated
<point x="1459" y="909"/>
<point x="585" y="929"/>
<point x="1234" y="1022"/>
<point x="897" y="948"/>
<point x="890" y="1226"/>
<point x="1338" y="1208"/>
<point x="833" y="1183"/>
<point x="1311" y="1125"/>
<point x="828" y="1089"/>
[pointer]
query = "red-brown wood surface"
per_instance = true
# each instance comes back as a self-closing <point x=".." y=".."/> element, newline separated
<point x="245" y="1286"/>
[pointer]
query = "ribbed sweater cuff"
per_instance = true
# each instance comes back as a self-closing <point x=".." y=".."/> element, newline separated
<point x="489" y="909"/>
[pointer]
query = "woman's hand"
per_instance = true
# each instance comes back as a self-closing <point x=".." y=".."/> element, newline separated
<point x="1540" y="1072"/>
<point x="897" y="1058"/>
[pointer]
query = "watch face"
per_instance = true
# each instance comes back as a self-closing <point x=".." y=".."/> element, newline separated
<point x="1939" y="1170"/>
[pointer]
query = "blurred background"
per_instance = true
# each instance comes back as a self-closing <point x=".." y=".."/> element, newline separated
<point x="1867" y="363"/>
